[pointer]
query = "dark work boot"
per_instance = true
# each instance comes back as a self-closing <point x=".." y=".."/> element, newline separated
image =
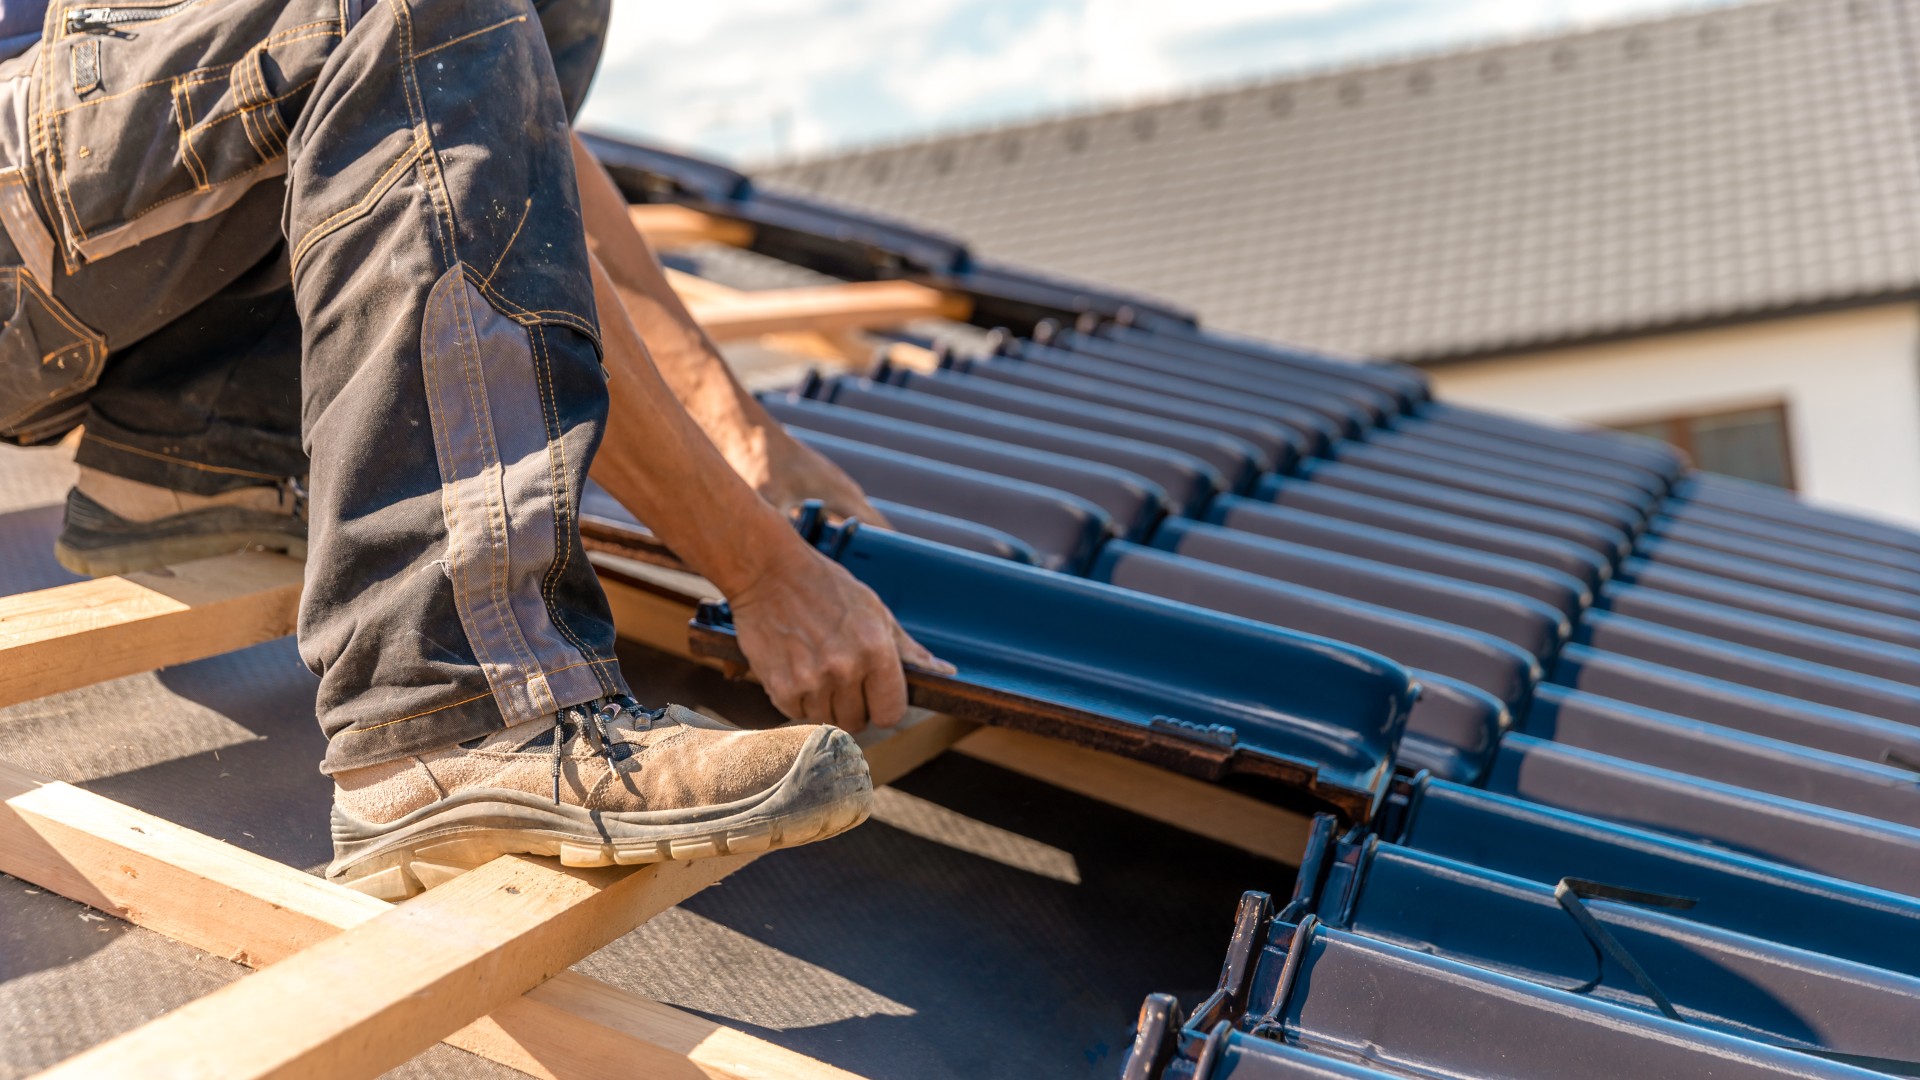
<point x="118" y="526"/>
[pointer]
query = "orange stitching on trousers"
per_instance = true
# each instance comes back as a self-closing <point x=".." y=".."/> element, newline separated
<point x="248" y="123"/>
<point x="242" y="110"/>
<point x="59" y="311"/>
<point x="184" y="112"/>
<point x="298" y="33"/>
<point x="471" y="34"/>
<point x="270" y="163"/>
<point x="261" y="112"/>
<point x="361" y="208"/>
<point x="449" y="505"/>
<point x="431" y="376"/>
<point x="66" y="194"/>
<point x="44" y="126"/>
<point x="104" y="441"/>
<point x="43" y="141"/>
<point x="273" y="126"/>
<point x="433" y="179"/>
<point x="497" y="526"/>
<point x="563" y="523"/>
<point x="474" y="698"/>
<point x="527" y="318"/>
<point x="201" y="75"/>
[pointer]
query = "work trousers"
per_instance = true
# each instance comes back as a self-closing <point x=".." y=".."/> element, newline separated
<point x="254" y="241"/>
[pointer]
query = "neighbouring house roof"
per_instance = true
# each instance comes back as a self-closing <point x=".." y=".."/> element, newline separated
<point x="1735" y="163"/>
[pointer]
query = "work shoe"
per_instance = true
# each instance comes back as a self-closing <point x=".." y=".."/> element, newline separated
<point x="117" y="526"/>
<point x="606" y="783"/>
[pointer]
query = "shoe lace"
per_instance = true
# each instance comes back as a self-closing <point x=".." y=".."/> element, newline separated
<point x="293" y="493"/>
<point x="591" y="720"/>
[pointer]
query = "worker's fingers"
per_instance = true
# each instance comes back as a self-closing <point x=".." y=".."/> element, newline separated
<point x="847" y="501"/>
<point x="826" y="649"/>
<point x="867" y="514"/>
<point x="816" y="707"/>
<point x="856" y="506"/>
<point x="849" y="704"/>
<point x="886" y="693"/>
<point x="866" y="662"/>
<point x="784" y="695"/>
<point x="915" y="654"/>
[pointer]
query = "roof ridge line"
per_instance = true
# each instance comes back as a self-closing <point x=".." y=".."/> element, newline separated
<point x="1695" y="9"/>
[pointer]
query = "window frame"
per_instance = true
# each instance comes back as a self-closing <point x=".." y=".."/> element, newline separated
<point x="1679" y="431"/>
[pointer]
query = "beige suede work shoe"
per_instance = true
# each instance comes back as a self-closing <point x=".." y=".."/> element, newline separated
<point x="606" y="783"/>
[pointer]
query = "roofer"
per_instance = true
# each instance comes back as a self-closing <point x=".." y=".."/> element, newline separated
<point x="315" y="277"/>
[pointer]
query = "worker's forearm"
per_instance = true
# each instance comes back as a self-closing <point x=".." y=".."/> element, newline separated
<point x="659" y="464"/>
<point x="824" y="647"/>
<point x="782" y="470"/>
<point x="682" y="353"/>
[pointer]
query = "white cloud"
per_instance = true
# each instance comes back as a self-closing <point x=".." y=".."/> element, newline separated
<point x="1128" y="42"/>
<point x="745" y="76"/>
<point x="753" y="79"/>
<point x="940" y="83"/>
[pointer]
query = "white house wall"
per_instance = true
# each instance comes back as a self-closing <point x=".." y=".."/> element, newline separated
<point x="1850" y="381"/>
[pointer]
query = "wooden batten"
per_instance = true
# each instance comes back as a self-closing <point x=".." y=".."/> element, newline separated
<point x="826" y="308"/>
<point x="1201" y="808"/>
<point x="729" y="314"/>
<point x="696" y="291"/>
<point x="400" y="981"/>
<point x="519" y="921"/>
<point x="254" y="911"/>
<point x="839" y="348"/>
<point x="913" y="357"/>
<point x="75" y="635"/>
<point x="667" y="226"/>
<point x="479" y="962"/>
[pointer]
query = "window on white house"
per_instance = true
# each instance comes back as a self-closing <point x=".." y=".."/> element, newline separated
<point x="1751" y="444"/>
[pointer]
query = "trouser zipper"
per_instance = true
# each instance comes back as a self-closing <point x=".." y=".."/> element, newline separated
<point x="106" y="18"/>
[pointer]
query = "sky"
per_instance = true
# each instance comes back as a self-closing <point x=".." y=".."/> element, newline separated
<point x="753" y="81"/>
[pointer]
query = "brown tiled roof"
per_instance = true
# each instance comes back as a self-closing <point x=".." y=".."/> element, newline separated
<point x="1741" y="161"/>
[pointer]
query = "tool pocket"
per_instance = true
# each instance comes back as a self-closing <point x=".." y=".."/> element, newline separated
<point x="48" y="361"/>
<point x="158" y="115"/>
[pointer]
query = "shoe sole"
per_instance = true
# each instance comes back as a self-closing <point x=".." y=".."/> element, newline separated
<point x="135" y="556"/>
<point x="825" y="793"/>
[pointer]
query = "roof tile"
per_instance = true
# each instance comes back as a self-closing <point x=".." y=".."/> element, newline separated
<point x="1754" y="158"/>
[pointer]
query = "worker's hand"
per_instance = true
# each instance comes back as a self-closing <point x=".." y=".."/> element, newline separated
<point x="791" y="472"/>
<point x="823" y="645"/>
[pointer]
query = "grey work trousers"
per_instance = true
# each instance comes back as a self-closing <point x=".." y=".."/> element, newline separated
<point x="254" y="239"/>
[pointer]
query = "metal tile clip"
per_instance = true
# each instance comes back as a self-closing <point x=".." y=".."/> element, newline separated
<point x="1214" y="734"/>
